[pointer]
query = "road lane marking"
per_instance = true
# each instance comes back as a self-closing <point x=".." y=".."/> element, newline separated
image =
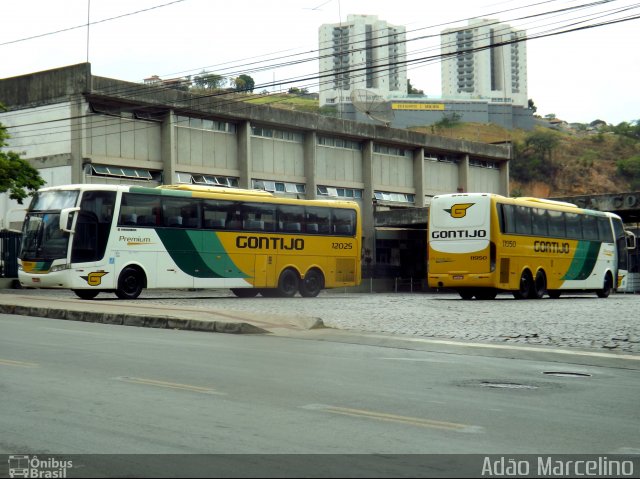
<point x="165" y="384"/>
<point x="627" y="357"/>
<point x="380" y="416"/>
<point x="22" y="364"/>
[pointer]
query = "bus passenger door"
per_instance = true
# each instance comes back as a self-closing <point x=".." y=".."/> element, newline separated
<point x="264" y="271"/>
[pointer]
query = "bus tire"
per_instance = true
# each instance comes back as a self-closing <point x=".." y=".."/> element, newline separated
<point x="288" y="284"/>
<point x="539" y="285"/>
<point x="607" y="287"/>
<point x="130" y="283"/>
<point x="269" y="292"/>
<point x="245" y="292"/>
<point x="466" y="294"/>
<point x="86" y="293"/>
<point x="486" y="293"/>
<point x="312" y="284"/>
<point x="526" y="286"/>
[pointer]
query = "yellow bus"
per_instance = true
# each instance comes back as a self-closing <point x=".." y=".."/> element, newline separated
<point x="481" y="244"/>
<point x="122" y="239"/>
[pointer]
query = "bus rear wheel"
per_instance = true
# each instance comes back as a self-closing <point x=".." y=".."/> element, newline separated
<point x="312" y="284"/>
<point x="539" y="285"/>
<point x="86" y="293"/>
<point x="288" y="283"/>
<point x="486" y="293"/>
<point x="466" y="293"/>
<point x="607" y="287"/>
<point x="245" y="292"/>
<point x="526" y="286"/>
<point x="130" y="283"/>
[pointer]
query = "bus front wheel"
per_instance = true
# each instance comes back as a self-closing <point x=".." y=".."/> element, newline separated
<point x="288" y="283"/>
<point x="245" y="292"/>
<point x="607" y="287"/>
<point x="130" y="283"/>
<point x="86" y="293"/>
<point x="312" y="284"/>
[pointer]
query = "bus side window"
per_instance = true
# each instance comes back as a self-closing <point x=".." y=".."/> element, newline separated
<point x="318" y="220"/>
<point x="590" y="228"/>
<point x="343" y="222"/>
<point x="539" y="222"/>
<point x="508" y="219"/>
<point x="215" y="212"/>
<point x="523" y="220"/>
<point x="573" y="226"/>
<point x="556" y="223"/>
<point x="604" y="230"/>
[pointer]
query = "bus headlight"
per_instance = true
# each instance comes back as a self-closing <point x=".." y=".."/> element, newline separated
<point x="59" y="267"/>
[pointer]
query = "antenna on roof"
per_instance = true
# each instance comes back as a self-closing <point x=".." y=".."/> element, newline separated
<point x="372" y="105"/>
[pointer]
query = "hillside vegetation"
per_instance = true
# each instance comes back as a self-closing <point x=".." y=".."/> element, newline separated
<point x="551" y="163"/>
<point x="546" y="162"/>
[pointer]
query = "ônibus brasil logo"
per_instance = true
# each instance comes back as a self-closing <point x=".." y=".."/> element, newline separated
<point x="459" y="210"/>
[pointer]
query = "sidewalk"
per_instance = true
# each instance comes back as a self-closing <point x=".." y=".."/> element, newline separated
<point x="111" y="311"/>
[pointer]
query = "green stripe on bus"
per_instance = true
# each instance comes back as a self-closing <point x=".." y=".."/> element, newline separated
<point x="584" y="260"/>
<point x="180" y="245"/>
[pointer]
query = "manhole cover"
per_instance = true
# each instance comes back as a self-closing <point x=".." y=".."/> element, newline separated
<point x="498" y="385"/>
<point x="567" y="374"/>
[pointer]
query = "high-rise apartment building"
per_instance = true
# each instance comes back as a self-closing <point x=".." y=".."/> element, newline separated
<point x="485" y="60"/>
<point x="361" y="53"/>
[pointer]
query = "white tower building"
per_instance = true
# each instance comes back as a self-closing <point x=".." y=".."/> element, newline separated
<point x="480" y="63"/>
<point x="361" y="53"/>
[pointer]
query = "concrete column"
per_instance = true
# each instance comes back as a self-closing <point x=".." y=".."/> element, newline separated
<point x="169" y="148"/>
<point x="77" y="110"/>
<point x="463" y="174"/>
<point x="418" y="176"/>
<point x="368" y="209"/>
<point x="310" y="148"/>
<point x="244" y="154"/>
<point x="504" y="178"/>
<point x="504" y="173"/>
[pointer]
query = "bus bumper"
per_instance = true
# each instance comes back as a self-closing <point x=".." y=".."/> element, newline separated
<point x="461" y="280"/>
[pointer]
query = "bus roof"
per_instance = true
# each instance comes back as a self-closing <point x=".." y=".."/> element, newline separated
<point x="204" y="191"/>
<point x="529" y="201"/>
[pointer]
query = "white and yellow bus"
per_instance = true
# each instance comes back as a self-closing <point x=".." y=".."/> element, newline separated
<point x="122" y="239"/>
<point x="481" y="244"/>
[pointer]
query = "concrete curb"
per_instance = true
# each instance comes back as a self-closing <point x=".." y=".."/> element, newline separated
<point x="127" y="319"/>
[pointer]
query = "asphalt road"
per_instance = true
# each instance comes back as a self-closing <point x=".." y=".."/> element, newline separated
<point x="83" y="388"/>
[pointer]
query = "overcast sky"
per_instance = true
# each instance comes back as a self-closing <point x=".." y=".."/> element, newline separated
<point x="578" y="76"/>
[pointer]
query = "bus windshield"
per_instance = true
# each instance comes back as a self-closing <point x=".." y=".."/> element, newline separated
<point x="42" y="237"/>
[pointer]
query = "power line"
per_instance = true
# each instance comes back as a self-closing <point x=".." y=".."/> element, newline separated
<point x="85" y="25"/>
<point x="323" y="77"/>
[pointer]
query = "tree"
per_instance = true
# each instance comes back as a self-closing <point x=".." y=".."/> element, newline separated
<point x="532" y="106"/>
<point x="209" y="81"/>
<point x="298" y="91"/>
<point x="245" y="83"/>
<point x="448" y="121"/>
<point x="411" y="90"/>
<point x="16" y="174"/>
<point x="532" y="161"/>
<point x="630" y="169"/>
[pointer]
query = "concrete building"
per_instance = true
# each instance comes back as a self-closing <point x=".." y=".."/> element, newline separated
<point x="361" y="53"/>
<point x="79" y="128"/>
<point x="480" y="62"/>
